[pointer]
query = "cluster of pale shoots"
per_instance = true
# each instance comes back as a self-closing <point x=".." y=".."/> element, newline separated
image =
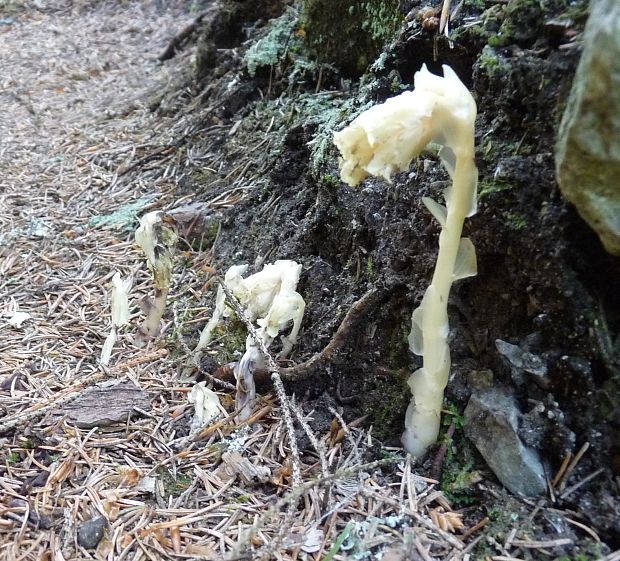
<point x="269" y="298"/>
<point x="157" y="237"/>
<point x="384" y="140"/>
<point x="381" y="141"/>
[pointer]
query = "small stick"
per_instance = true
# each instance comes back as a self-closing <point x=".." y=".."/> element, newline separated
<point x="437" y="466"/>
<point x="316" y="444"/>
<point x="581" y="483"/>
<point x="294" y="495"/>
<point x="562" y="470"/>
<point x="179" y="38"/>
<point x="475" y="528"/>
<point x="355" y="314"/>
<point x="351" y="320"/>
<point x="539" y="544"/>
<point x="613" y="556"/>
<point x="585" y="528"/>
<point x="162" y="150"/>
<point x="571" y="467"/>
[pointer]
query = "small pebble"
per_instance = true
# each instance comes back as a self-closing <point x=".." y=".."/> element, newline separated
<point x="90" y="533"/>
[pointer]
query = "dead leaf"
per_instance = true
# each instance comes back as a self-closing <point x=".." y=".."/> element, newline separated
<point x="62" y="471"/>
<point x="111" y="504"/>
<point x="126" y="540"/>
<point x="333" y="430"/>
<point x="314" y="540"/>
<point x="282" y="475"/>
<point x="205" y="551"/>
<point x="130" y="476"/>
<point x="175" y="537"/>
<point x="235" y="464"/>
<point x="177" y="411"/>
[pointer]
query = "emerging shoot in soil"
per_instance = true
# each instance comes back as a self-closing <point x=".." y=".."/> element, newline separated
<point x="383" y="140"/>
<point x="120" y="315"/>
<point x="270" y="298"/>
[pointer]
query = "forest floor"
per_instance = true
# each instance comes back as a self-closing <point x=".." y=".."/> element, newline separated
<point x="88" y="450"/>
<point x="75" y="79"/>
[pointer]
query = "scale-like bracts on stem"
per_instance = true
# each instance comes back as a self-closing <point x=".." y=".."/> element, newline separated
<point x="384" y="140"/>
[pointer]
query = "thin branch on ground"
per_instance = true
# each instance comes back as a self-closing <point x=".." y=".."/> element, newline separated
<point x="437" y="466"/>
<point x="275" y="378"/>
<point x="351" y="320"/>
<point x="177" y="41"/>
<point x="294" y="495"/>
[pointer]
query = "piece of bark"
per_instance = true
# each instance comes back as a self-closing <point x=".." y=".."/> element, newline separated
<point x="104" y="404"/>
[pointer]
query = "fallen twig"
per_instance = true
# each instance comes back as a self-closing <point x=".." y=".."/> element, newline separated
<point x="563" y="480"/>
<point x="351" y="320"/>
<point x="437" y="466"/>
<point x="579" y="484"/>
<point x="294" y="495"/>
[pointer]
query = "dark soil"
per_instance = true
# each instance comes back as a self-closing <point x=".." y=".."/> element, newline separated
<point x="544" y="281"/>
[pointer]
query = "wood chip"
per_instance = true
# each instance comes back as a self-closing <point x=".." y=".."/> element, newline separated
<point x="105" y="404"/>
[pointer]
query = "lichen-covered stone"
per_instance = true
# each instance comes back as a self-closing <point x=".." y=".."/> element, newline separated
<point x="491" y="424"/>
<point x="588" y="149"/>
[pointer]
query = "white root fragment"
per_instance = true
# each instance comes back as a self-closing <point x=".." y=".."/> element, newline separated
<point x="120" y="315"/>
<point x="206" y="406"/>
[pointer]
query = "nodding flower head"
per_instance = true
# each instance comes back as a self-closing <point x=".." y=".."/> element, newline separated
<point x="385" y="138"/>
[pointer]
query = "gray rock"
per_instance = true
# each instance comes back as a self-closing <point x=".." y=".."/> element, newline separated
<point x="90" y="533"/>
<point x="491" y="423"/>
<point x="588" y="148"/>
<point x="521" y="362"/>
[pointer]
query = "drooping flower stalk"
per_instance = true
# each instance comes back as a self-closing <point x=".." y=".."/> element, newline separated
<point x="383" y="140"/>
<point x="157" y="236"/>
<point x="269" y="298"/>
